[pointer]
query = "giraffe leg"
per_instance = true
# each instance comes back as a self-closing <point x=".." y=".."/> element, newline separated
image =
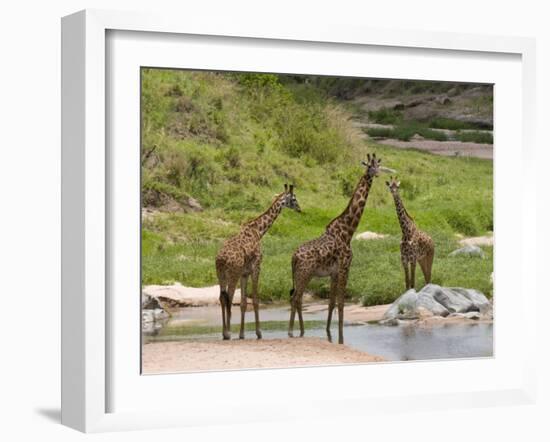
<point x="413" y="268"/>
<point x="342" y="282"/>
<point x="244" y="280"/>
<point x="426" y="266"/>
<point x="296" y="293"/>
<point x="300" y="318"/>
<point x="223" y="302"/>
<point x="406" y="269"/>
<point x="255" y="299"/>
<point x="429" y="262"/>
<point x="229" y="301"/>
<point x="332" y="302"/>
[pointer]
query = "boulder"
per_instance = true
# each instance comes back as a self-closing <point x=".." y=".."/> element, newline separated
<point x="149" y="302"/>
<point x="427" y="301"/>
<point x="469" y="250"/>
<point x="194" y="205"/>
<point x="472" y="315"/>
<point x="479" y="300"/>
<point x="443" y="99"/>
<point x="436" y="301"/>
<point x="451" y="299"/>
<point x="403" y="307"/>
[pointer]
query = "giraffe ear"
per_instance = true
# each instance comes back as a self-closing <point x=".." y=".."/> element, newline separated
<point x="291" y="188"/>
<point x="388" y="183"/>
<point x="368" y="157"/>
<point x="286" y="187"/>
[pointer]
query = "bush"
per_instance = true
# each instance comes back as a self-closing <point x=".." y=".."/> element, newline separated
<point x="386" y="116"/>
<point x="475" y="137"/>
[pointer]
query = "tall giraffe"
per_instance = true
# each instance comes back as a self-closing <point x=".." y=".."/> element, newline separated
<point x="241" y="257"/>
<point x="416" y="246"/>
<point x="330" y="254"/>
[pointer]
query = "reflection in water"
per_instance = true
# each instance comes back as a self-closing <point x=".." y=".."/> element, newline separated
<point x="395" y="343"/>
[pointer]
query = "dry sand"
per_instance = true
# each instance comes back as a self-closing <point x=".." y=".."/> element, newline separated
<point x="446" y="148"/>
<point x="166" y="357"/>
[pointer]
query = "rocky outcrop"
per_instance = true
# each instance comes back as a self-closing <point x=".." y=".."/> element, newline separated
<point x="439" y="301"/>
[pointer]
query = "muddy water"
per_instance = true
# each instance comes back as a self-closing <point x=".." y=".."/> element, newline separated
<point x="400" y="343"/>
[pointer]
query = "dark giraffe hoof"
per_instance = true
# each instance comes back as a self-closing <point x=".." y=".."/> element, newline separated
<point x="259" y="334"/>
<point x="241" y="336"/>
<point x="290" y="334"/>
<point x="226" y="336"/>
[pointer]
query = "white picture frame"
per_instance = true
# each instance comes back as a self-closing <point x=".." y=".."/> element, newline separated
<point x="87" y="209"/>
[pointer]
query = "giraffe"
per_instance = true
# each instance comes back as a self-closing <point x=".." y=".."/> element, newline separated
<point x="416" y="246"/>
<point x="330" y="254"/>
<point x="241" y="257"/>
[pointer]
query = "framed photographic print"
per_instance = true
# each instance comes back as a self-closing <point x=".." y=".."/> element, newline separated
<point x="248" y="213"/>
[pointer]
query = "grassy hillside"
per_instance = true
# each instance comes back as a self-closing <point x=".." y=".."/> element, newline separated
<point x="231" y="141"/>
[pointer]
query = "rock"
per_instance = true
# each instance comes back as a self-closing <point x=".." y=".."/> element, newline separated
<point x="477" y="241"/>
<point x="149" y="302"/>
<point x="417" y="137"/>
<point x="424" y="313"/>
<point x="427" y="301"/>
<point x="472" y="315"/>
<point x="452" y="300"/>
<point x="452" y="92"/>
<point x="480" y="301"/>
<point x="434" y="301"/>
<point x="469" y="250"/>
<point x="194" y="205"/>
<point x="369" y="235"/>
<point x="403" y="306"/>
<point x="443" y="99"/>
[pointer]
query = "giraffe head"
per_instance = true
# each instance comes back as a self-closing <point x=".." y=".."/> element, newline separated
<point x="372" y="165"/>
<point x="289" y="199"/>
<point x="393" y="185"/>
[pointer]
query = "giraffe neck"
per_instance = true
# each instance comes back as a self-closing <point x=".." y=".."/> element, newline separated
<point x="346" y="223"/>
<point x="263" y="222"/>
<point x="405" y="221"/>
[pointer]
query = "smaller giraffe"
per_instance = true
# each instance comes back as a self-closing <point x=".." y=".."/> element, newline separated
<point x="241" y="257"/>
<point x="416" y="245"/>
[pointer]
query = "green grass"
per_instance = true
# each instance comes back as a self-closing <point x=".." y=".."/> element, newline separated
<point x="475" y="137"/>
<point x="446" y="196"/>
<point x="452" y="124"/>
<point x="230" y="142"/>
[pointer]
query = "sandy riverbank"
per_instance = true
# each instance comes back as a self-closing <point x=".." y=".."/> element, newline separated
<point x="166" y="357"/>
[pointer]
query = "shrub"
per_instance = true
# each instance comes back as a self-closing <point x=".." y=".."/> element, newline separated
<point x="386" y="116"/>
<point x="475" y="137"/>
